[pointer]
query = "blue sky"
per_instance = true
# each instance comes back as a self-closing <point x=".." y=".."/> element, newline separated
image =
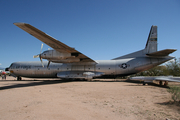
<point x="100" y="29"/>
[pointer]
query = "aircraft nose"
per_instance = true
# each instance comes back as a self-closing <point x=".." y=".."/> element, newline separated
<point x="7" y="69"/>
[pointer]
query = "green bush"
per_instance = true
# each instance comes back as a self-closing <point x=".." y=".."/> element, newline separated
<point x="175" y="91"/>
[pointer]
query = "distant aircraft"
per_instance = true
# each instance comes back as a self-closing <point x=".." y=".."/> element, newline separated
<point x="150" y="79"/>
<point x="68" y="63"/>
<point x="2" y="72"/>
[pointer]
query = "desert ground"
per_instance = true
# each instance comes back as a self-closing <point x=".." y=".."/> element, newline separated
<point x="101" y="99"/>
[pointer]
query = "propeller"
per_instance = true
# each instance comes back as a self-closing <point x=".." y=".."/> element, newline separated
<point x="41" y="61"/>
<point x="48" y="64"/>
<point x="39" y="55"/>
<point x="35" y="56"/>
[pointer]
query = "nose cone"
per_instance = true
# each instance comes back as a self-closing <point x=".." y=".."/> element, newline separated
<point x="3" y="73"/>
<point x="42" y="55"/>
<point x="7" y="69"/>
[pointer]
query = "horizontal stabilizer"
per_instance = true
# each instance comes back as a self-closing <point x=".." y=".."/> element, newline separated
<point x="165" y="52"/>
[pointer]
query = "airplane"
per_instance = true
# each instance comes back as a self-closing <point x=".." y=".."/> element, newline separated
<point x="65" y="62"/>
<point x="2" y="72"/>
<point x="150" y="79"/>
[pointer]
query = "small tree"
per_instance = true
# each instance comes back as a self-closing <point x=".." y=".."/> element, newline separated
<point x="156" y="71"/>
<point x="173" y="67"/>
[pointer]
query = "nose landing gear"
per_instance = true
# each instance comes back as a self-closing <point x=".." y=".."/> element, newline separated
<point x="19" y="78"/>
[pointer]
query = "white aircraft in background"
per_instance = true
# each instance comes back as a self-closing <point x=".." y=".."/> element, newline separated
<point x="150" y="79"/>
<point x="2" y="72"/>
<point x="68" y="63"/>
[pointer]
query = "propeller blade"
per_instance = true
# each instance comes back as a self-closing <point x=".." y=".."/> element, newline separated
<point x="41" y="62"/>
<point x="35" y="56"/>
<point x="41" y="48"/>
<point x="48" y="64"/>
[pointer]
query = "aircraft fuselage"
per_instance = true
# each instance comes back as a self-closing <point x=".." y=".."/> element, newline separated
<point x="110" y="68"/>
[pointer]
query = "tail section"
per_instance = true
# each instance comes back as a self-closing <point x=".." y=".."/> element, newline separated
<point x="150" y="48"/>
<point x="151" y="45"/>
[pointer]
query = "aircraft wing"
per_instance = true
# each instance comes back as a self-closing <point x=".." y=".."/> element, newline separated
<point x="171" y="79"/>
<point x="157" y="78"/>
<point x="55" y="44"/>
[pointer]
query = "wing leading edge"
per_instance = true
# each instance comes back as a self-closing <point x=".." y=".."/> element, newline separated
<point x="55" y="44"/>
<point x="157" y="78"/>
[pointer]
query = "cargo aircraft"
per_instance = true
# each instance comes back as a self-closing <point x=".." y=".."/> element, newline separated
<point x="67" y="63"/>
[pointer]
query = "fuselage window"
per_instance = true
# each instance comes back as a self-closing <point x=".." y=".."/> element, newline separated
<point x="17" y="67"/>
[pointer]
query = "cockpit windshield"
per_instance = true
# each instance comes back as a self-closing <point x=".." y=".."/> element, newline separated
<point x="11" y="65"/>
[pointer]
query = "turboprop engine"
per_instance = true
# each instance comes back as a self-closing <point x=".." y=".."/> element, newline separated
<point x="54" y="55"/>
<point x="57" y="57"/>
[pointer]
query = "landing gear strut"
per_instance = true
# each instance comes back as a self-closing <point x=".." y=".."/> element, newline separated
<point x="160" y="82"/>
<point x="19" y="78"/>
<point x="144" y="83"/>
<point x="165" y="83"/>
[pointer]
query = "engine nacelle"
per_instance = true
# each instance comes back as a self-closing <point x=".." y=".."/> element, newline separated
<point x="59" y="57"/>
<point x="55" y="55"/>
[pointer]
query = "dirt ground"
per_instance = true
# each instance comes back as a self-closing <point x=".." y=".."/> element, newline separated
<point x="104" y="99"/>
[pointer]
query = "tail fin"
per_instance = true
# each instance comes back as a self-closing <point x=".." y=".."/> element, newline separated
<point x="151" y="45"/>
<point x="150" y="49"/>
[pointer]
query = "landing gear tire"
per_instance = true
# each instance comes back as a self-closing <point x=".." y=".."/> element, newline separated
<point x="166" y="83"/>
<point x="160" y="83"/>
<point x="19" y="78"/>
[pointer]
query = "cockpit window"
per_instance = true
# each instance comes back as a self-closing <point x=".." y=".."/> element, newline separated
<point x="11" y="65"/>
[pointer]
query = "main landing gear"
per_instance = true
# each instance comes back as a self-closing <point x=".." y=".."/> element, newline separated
<point x="165" y="83"/>
<point x="19" y="78"/>
<point x="160" y="83"/>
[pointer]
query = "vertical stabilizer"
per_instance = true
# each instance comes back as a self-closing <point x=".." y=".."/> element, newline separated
<point x="151" y="45"/>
